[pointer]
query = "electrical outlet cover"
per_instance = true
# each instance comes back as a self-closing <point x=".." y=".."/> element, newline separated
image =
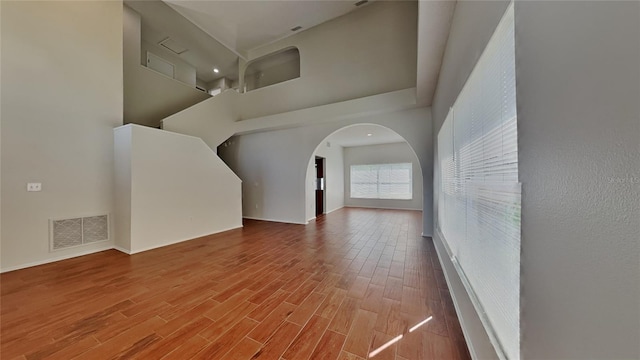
<point x="34" y="186"/>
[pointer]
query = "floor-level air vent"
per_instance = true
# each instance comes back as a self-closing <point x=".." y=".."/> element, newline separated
<point x="67" y="233"/>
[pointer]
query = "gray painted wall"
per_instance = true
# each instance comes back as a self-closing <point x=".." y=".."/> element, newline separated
<point x="58" y="131"/>
<point x="383" y="154"/>
<point x="578" y="76"/>
<point x="578" y="85"/>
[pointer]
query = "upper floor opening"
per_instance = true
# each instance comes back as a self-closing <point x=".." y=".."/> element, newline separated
<point x="272" y="69"/>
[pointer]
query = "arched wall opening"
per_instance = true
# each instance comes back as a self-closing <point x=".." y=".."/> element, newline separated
<point x="273" y="164"/>
<point x="358" y="144"/>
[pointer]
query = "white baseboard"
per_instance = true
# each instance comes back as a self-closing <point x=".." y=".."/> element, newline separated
<point x="137" y="251"/>
<point x="103" y="248"/>
<point x="273" y="220"/>
<point x="287" y="221"/>
<point x="57" y="258"/>
<point x="477" y="338"/>
<point x="121" y="249"/>
<point x="329" y="212"/>
<point x="381" y="207"/>
<point x="338" y="208"/>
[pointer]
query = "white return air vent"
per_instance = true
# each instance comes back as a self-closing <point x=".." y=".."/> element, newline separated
<point x="66" y="233"/>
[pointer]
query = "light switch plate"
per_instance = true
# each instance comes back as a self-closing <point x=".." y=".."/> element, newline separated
<point x="34" y="186"/>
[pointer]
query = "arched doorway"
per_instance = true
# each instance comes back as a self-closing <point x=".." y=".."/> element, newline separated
<point x="275" y="165"/>
<point x="366" y="149"/>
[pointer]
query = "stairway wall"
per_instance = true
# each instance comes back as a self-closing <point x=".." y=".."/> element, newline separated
<point x="179" y="189"/>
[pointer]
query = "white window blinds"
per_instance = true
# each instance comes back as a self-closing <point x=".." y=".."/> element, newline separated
<point x="381" y="181"/>
<point x="479" y="195"/>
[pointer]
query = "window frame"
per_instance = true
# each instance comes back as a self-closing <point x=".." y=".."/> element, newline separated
<point x="378" y="194"/>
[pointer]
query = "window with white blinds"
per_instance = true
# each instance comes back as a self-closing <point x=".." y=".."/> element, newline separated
<point x="381" y="181"/>
<point x="479" y="195"/>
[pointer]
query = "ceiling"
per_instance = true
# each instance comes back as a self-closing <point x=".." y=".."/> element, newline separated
<point x="217" y="32"/>
<point x="434" y="21"/>
<point x="245" y="25"/>
<point x="357" y="135"/>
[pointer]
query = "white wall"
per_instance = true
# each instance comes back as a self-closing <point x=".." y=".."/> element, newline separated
<point x="333" y="177"/>
<point x="57" y="118"/>
<point x="273" y="164"/>
<point x="578" y="68"/>
<point x="122" y="189"/>
<point x="365" y="52"/>
<point x="266" y="74"/>
<point x="578" y="85"/>
<point x="0" y="146"/>
<point x="221" y="83"/>
<point x="216" y="119"/>
<point x="383" y="154"/>
<point x="179" y="189"/>
<point x="149" y="96"/>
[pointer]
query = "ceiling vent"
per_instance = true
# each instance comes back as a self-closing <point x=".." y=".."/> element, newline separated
<point x="172" y="45"/>
<point x="296" y="28"/>
<point x="362" y="2"/>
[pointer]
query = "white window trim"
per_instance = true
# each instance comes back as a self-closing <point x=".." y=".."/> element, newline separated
<point x="378" y="195"/>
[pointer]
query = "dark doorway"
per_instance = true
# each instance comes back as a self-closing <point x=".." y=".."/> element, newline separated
<point x="319" y="185"/>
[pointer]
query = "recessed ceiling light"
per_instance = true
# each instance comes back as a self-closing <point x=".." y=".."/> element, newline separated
<point x="369" y="134"/>
<point x="215" y="70"/>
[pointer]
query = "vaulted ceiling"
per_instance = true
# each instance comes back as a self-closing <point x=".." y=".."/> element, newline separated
<point x="244" y="25"/>
<point x="217" y="32"/>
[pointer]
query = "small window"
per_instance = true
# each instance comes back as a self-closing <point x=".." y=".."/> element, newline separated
<point x="382" y="181"/>
<point x="272" y="69"/>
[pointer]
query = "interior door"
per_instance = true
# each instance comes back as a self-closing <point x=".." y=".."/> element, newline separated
<point x="319" y="186"/>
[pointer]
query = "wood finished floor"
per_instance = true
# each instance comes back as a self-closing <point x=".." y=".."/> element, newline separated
<point x="337" y="288"/>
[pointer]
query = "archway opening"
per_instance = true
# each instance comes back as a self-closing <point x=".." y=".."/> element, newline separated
<point x="363" y="165"/>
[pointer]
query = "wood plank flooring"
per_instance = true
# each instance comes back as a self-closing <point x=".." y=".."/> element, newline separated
<point x="339" y="288"/>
